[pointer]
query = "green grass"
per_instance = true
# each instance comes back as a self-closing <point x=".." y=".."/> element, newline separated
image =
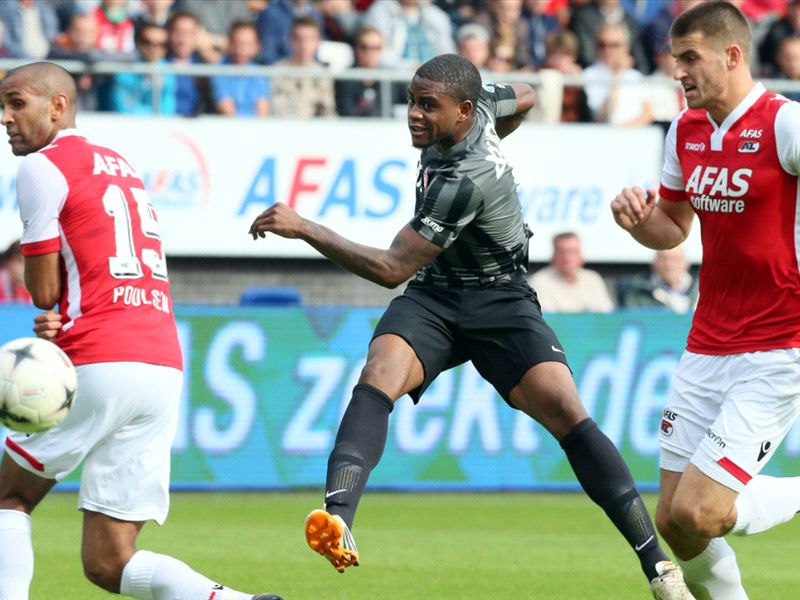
<point x="427" y="546"/>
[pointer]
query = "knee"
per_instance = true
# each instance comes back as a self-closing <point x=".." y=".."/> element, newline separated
<point x="697" y="519"/>
<point x="104" y="571"/>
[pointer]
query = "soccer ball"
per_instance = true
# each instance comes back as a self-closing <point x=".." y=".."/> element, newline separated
<point x="37" y="385"/>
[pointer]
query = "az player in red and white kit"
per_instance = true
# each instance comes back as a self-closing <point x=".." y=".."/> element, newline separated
<point x="91" y="246"/>
<point x="733" y="159"/>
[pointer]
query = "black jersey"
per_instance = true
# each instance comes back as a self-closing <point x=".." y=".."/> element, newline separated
<point x="467" y="203"/>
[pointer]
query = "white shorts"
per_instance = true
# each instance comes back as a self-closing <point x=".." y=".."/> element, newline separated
<point x="121" y="427"/>
<point x="727" y="414"/>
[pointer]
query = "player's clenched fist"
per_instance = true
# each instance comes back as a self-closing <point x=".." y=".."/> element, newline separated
<point x="278" y="219"/>
<point x="633" y="206"/>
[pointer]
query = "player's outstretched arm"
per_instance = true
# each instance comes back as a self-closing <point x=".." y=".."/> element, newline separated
<point x="654" y="223"/>
<point x="407" y="254"/>
<point x="526" y="99"/>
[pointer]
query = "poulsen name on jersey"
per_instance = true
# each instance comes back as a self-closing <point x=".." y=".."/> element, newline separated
<point x="715" y="189"/>
<point x="134" y="296"/>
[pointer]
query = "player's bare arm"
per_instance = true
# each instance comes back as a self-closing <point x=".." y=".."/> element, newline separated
<point x="526" y="99"/>
<point x="43" y="279"/>
<point x="654" y="223"/>
<point x="408" y="252"/>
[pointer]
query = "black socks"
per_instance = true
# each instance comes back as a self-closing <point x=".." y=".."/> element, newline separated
<point x="358" y="448"/>
<point x="607" y="480"/>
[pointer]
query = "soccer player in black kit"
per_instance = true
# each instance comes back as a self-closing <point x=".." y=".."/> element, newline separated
<point x="467" y="250"/>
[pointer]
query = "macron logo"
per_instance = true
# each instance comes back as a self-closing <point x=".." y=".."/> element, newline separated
<point x="432" y="224"/>
<point x="695" y="146"/>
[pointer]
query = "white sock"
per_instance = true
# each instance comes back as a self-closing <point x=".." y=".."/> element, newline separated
<point x="766" y="502"/>
<point x="714" y="573"/>
<point x="151" y="576"/>
<point x="16" y="555"/>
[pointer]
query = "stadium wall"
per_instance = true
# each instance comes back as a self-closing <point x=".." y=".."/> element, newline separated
<point x="266" y="387"/>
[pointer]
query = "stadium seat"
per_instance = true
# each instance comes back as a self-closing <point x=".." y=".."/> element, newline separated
<point x="270" y="296"/>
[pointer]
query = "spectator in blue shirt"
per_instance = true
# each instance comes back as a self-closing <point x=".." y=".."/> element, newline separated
<point x="275" y="26"/>
<point x="184" y="36"/>
<point x="241" y="95"/>
<point x="132" y="93"/>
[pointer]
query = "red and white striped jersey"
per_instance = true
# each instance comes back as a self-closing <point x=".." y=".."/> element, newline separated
<point x="87" y="203"/>
<point x="741" y="179"/>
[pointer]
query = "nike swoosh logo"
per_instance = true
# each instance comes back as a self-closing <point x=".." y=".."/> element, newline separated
<point x="554" y="349"/>
<point x="638" y="547"/>
<point x="334" y="492"/>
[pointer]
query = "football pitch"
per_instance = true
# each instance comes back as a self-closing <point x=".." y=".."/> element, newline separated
<point x="427" y="546"/>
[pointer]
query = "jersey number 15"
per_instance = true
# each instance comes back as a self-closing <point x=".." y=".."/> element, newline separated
<point x="125" y="264"/>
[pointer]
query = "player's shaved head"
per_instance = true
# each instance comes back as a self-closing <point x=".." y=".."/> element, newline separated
<point x="45" y="80"/>
<point x="38" y="100"/>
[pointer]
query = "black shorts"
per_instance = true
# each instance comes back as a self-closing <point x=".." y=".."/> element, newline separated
<point x="499" y="328"/>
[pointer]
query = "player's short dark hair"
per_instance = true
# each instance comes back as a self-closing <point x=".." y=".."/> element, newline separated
<point x="461" y="79"/>
<point x="718" y="21"/>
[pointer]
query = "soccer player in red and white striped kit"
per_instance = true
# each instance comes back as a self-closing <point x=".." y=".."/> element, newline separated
<point x="733" y="159"/>
<point x="91" y="245"/>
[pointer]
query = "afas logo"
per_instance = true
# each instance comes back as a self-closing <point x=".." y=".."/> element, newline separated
<point x="719" y="182"/>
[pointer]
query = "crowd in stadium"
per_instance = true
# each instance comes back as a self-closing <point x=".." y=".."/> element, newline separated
<point x="625" y="39"/>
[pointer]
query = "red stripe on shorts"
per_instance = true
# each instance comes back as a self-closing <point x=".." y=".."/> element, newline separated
<point x="24" y="454"/>
<point x="734" y="469"/>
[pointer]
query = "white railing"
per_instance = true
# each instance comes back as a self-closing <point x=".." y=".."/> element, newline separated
<point x="386" y="77"/>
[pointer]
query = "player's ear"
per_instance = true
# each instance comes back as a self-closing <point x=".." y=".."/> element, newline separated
<point x="59" y="106"/>
<point x="465" y="109"/>
<point x="733" y="56"/>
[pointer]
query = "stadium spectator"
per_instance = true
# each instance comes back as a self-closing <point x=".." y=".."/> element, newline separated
<point x="413" y="31"/>
<point x="788" y="64"/>
<point x="540" y="27"/>
<point x="127" y="357"/>
<point x="153" y="12"/>
<point x="4" y="52"/>
<point x="241" y="95"/>
<point x="655" y="32"/>
<point x="78" y="43"/>
<point x="625" y="101"/>
<point x="787" y="26"/>
<point x="559" y="102"/>
<point x="461" y="12"/>
<point x="12" y="275"/>
<point x="587" y="20"/>
<point x="736" y="392"/>
<point x="503" y="20"/>
<point x="183" y="48"/>
<point x="303" y="97"/>
<point x="340" y="20"/>
<point x="473" y="42"/>
<point x="664" y="94"/>
<point x="364" y="98"/>
<point x="274" y="25"/>
<point x="670" y="284"/>
<point x="29" y="27"/>
<point x="114" y="27"/>
<point x="466" y="252"/>
<point x="217" y="17"/>
<point x="133" y="93"/>
<point x="501" y="59"/>
<point x="565" y="285"/>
